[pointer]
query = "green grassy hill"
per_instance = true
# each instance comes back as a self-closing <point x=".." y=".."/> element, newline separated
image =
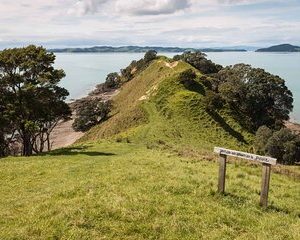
<point x="157" y="109"/>
<point x="148" y="172"/>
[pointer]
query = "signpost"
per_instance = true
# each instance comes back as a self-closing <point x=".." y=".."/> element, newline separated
<point x="266" y="161"/>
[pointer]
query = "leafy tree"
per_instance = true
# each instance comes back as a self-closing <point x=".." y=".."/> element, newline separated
<point x="262" y="136"/>
<point x="199" y="61"/>
<point x="33" y="100"/>
<point x="257" y="97"/>
<point x="282" y="144"/>
<point x="150" y="56"/>
<point x="285" y="146"/>
<point x="113" y="80"/>
<point x="90" y="113"/>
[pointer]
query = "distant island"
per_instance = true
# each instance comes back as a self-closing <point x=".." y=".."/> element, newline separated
<point x="138" y="49"/>
<point x="280" y="48"/>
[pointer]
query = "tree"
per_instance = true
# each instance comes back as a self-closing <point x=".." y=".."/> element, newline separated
<point x="257" y="97"/>
<point x="285" y="146"/>
<point x="262" y="136"/>
<point x="113" y="80"/>
<point x="150" y="56"/>
<point x="90" y="113"/>
<point x="33" y="100"/>
<point x="199" y="61"/>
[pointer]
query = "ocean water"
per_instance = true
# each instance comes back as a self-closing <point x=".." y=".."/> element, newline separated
<point x="85" y="70"/>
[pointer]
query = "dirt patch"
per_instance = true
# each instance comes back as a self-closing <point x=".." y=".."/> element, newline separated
<point x="171" y="65"/>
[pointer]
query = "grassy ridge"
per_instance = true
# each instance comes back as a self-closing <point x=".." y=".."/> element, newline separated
<point x="155" y="107"/>
<point x="125" y="191"/>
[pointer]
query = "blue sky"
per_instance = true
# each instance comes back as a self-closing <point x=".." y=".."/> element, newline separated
<point x="186" y="23"/>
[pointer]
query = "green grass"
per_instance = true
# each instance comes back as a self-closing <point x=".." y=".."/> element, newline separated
<point x="170" y="113"/>
<point x="152" y="176"/>
<point x="115" y="190"/>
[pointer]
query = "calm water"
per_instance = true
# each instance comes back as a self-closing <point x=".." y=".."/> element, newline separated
<point x="84" y="71"/>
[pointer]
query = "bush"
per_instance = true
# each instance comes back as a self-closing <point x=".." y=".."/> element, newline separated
<point x="283" y="144"/>
<point x="212" y="101"/>
<point x="262" y="136"/>
<point x="187" y="75"/>
<point x="91" y="113"/>
<point x="113" y="80"/>
<point x="150" y="56"/>
<point x="199" y="61"/>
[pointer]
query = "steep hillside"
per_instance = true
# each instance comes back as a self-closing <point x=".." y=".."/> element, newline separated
<point x="155" y="108"/>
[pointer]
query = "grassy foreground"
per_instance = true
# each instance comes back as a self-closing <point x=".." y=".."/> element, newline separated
<point x="114" y="190"/>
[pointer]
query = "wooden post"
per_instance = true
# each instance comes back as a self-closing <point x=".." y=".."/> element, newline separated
<point x="265" y="185"/>
<point x="222" y="173"/>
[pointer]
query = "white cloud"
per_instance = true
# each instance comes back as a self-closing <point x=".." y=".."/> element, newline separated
<point x="151" y="7"/>
<point x="196" y="23"/>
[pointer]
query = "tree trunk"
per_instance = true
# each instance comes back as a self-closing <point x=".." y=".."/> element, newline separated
<point x="27" y="146"/>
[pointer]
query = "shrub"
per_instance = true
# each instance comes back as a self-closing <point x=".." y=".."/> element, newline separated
<point x="283" y="144"/>
<point x="261" y="139"/>
<point x="199" y="61"/>
<point x="150" y="56"/>
<point x="91" y="113"/>
<point x="212" y="101"/>
<point x="113" y="80"/>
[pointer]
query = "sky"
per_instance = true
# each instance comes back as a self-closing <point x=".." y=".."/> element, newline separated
<point x="182" y="23"/>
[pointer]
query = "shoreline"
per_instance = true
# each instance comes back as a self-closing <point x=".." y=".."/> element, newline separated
<point x="63" y="134"/>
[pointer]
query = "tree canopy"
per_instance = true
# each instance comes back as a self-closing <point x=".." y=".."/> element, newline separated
<point x="198" y="60"/>
<point x="256" y="96"/>
<point x="90" y="113"/>
<point x="32" y="102"/>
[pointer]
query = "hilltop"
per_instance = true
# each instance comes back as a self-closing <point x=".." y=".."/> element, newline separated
<point x="156" y="108"/>
<point x="138" y="49"/>
<point x="280" y="48"/>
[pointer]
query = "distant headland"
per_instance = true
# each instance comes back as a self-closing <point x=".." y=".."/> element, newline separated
<point x="138" y="49"/>
<point x="280" y="48"/>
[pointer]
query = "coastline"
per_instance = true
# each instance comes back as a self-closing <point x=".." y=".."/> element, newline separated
<point x="63" y="134"/>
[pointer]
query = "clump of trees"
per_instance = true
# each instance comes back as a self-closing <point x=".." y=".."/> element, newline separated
<point x="256" y="97"/>
<point x="90" y="113"/>
<point x="199" y="61"/>
<point x="31" y="102"/>
<point x="282" y="144"/>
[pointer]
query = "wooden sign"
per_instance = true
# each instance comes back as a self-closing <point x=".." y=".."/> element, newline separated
<point x="244" y="155"/>
<point x="266" y="161"/>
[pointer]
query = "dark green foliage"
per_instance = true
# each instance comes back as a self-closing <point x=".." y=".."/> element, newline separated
<point x="257" y="97"/>
<point x="262" y="136"/>
<point x="113" y="81"/>
<point x="206" y="82"/>
<point x="32" y="102"/>
<point x="127" y="73"/>
<point x="212" y="101"/>
<point x="283" y="144"/>
<point x="198" y="60"/>
<point x="150" y="56"/>
<point x="187" y="75"/>
<point x="91" y="113"/>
